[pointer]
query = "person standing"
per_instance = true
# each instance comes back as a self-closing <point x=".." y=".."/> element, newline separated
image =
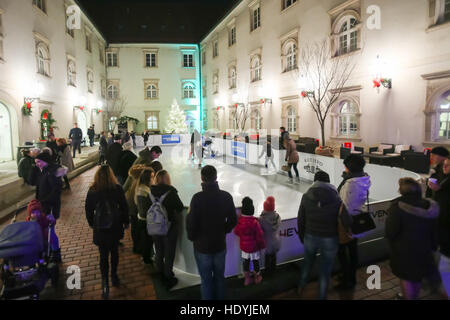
<point x="47" y="178"/>
<point x="411" y="230"/>
<point x="91" y="135"/>
<point x="110" y="138"/>
<point x="284" y="137"/>
<point x="76" y="135"/>
<point x="65" y="159"/>
<point x="441" y="191"/>
<point x="127" y="158"/>
<point x="166" y="245"/>
<point x="354" y="192"/>
<point x="317" y="222"/>
<point x="270" y="222"/>
<point x="212" y="215"/>
<point x="107" y="214"/>
<point x="25" y="166"/>
<point x="267" y="150"/>
<point x="145" y="136"/>
<point x="102" y="148"/>
<point x="438" y="156"/>
<point x="113" y="155"/>
<point x="51" y="143"/>
<point x="133" y="138"/>
<point x="292" y="159"/>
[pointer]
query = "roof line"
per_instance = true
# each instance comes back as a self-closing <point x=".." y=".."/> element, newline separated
<point x="92" y="21"/>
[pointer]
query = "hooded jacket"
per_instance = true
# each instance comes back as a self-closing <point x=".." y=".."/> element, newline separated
<point x="442" y="196"/>
<point x="251" y="236"/>
<point x="291" y="152"/>
<point x="318" y="212"/>
<point x="270" y="224"/>
<point x="211" y="216"/>
<point x="145" y="157"/>
<point x="411" y="229"/>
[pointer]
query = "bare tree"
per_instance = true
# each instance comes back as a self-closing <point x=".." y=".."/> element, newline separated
<point x="326" y="77"/>
<point x="114" y="109"/>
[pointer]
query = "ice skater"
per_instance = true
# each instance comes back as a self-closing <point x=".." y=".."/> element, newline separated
<point x="267" y="150"/>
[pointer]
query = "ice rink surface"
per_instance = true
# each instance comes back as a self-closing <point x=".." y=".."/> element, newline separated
<point x="239" y="179"/>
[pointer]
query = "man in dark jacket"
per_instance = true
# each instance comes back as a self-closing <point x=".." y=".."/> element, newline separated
<point x="103" y="148"/>
<point x="133" y="138"/>
<point x="91" y="135"/>
<point x="46" y="176"/>
<point x="442" y="196"/>
<point x="76" y="135"/>
<point x="126" y="161"/>
<point x="438" y="156"/>
<point x="212" y="215"/>
<point x="318" y="230"/>
<point x="113" y="155"/>
<point x="145" y="136"/>
<point x="51" y="143"/>
<point x="147" y="155"/>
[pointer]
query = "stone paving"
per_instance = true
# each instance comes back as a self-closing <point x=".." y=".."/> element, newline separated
<point x="136" y="282"/>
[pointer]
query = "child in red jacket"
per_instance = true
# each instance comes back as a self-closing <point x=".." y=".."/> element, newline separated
<point x="251" y="241"/>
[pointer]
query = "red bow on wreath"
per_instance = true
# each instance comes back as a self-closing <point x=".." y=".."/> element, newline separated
<point x="304" y="94"/>
<point x="28" y="105"/>
<point x="376" y="83"/>
<point x="81" y="108"/>
<point x="45" y="116"/>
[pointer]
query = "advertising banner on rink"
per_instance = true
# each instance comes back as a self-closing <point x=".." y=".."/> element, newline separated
<point x="239" y="149"/>
<point x="171" y="139"/>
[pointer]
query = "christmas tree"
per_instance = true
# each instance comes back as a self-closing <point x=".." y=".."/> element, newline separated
<point x="177" y="120"/>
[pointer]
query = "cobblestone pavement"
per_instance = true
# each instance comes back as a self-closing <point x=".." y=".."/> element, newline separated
<point x="136" y="283"/>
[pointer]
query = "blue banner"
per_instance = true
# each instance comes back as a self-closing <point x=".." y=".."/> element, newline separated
<point x="171" y="139"/>
<point x="239" y="149"/>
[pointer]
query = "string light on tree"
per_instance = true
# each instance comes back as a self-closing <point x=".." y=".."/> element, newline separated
<point x="176" y="122"/>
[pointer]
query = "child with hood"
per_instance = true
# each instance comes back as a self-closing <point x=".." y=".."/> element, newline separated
<point x="251" y="238"/>
<point x="270" y="224"/>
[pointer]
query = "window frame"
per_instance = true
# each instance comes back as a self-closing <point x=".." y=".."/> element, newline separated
<point x="115" y="92"/>
<point x="71" y="76"/>
<point x="232" y="77"/>
<point x="232" y="35"/>
<point x="154" y="114"/>
<point x="339" y="117"/>
<point x="285" y="6"/>
<point x="186" y="62"/>
<point x="188" y="90"/>
<point x="153" y="58"/>
<point x="216" y="83"/>
<point x="88" y="42"/>
<point x="345" y="36"/>
<point x="439" y="112"/>
<point x="255" y="21"/>
<point x="153" y="90"/>
<point x="112" y="54"/>
<point x="291" y="119"/>
<point x="215" y="49"/>
<point x="42" y="7"/>
<point x="90" y="80"/>
<point x="255" y="71"/>
<point x="44" y="59"/>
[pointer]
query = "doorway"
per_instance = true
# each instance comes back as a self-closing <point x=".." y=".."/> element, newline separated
<point x="82" y="123"/>
<point x="5" y="134"/>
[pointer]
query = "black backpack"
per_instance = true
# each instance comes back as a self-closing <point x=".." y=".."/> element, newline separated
<point x="106" y="214"/>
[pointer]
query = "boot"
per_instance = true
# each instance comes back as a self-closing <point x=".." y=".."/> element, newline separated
<point x="297" y="180"/>
<point x="105" y="289"/>
<point x="248" y="278"/>
<point x="258" y="277"/>
<point x="290" y="181"/>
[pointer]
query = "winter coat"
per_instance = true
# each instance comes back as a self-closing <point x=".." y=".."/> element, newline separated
<point x="291" y="152"/>
<point x="438" y="174"/>
<point x="251" y="236"/>
<point x="116" y="197"/>
<point x="442" y="196"/>
<point x="130" y="189"/>
<point x="211" y="216"/>
<point x="145" y="157"/>
<point x="91" y="133"/>
<point x="318" y="212"/>
<point x="113" y="156"/>
<point x="48" y="184"/>
<point x="76" y="134"/>
<point x="103" y="146"/>
<point x="411" y="229"/>
<point x="270" y="222"/>
<point x="24" y="169"/>
<point x="54" y="147"/>
<point x="65" y="157"/>
<point x="127" y="159"/>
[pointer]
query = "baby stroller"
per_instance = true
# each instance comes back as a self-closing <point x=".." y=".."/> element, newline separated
<point x="26" y="265"/>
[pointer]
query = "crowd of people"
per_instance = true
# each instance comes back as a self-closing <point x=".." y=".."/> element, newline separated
<point x="134" y="190"/>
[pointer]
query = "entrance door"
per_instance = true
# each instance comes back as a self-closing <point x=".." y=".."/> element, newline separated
<point x="5" y="134"/>
<point x="82" y="123"/>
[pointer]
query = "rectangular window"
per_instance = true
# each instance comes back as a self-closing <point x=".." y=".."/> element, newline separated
<point x="215" y="49"/>
<point x="69" y="31"/>
<point x="101" y="54"/>
<point x="444" y="125"/>
<point x="150" y="60"/>
<point x="288" y="3"/>
<point x="353" y="41"/>
<point x="40" y="4"/>
<point x="152" y="120"/>
<point x="188" y="60"/>
<point x="232" y="36"/>
<point x="256" y="20"/>
<point x="112" y="59"/>
<point x="203" y="57"/>
<point x="88" y="43"/>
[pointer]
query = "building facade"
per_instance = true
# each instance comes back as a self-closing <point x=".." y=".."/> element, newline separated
<point x="59" y="70"/>
<point x="253" y="57"/>
<point x="146" y="78"/>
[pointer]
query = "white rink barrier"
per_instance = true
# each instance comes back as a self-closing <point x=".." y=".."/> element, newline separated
<point x="371" y="246"/>
<point x="167" y="140"/>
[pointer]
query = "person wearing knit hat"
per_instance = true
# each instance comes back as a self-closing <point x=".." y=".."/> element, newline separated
<point x="270" y="224"/>
<point x="251" y="239"/>
<point x="438" y="156"/>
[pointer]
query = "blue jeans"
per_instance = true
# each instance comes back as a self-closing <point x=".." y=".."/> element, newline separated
<point x="328" y="248"/>
<point x="212" y="272"/>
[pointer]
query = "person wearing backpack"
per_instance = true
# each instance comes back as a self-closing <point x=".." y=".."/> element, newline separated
<point x="107" y="214"/>
<point x="165" y="201"/>
<point x="144" y="242"/>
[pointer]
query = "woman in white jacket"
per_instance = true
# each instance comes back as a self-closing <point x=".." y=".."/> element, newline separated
<point x="354" y="192"/>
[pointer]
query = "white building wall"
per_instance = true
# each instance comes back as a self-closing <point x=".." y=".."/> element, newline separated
<point x="18" y="71"/>
<point x="169" y="72"/>
<point x="405" y="40"/>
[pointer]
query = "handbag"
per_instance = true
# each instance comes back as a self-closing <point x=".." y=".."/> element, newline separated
<point x="285" y="167"/>
<point x="363" y="221"/>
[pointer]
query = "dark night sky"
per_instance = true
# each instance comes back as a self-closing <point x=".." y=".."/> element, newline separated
<point x="156" y="21"/>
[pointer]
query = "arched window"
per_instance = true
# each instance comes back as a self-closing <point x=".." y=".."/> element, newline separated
<point x="90" y="80"/>
<point x="152" y="122"/>
<point x="291" y="120"/>
<point x="232" y="77"/>
<point x="216" y="121"/>
<point x="188" y="91"/>
<point x="112" y="92"/>
<point x="348" y="118"/>
<point x="152" y="91"/>
<point x="71" y="73"/>
<point x="347" y="35"/>
<point x="255" y="69"/>
<point x="290" y="52"/>
<point x="216" y="83"/>
<point x="444" y="116"/>
<point x="43" y="59"/>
